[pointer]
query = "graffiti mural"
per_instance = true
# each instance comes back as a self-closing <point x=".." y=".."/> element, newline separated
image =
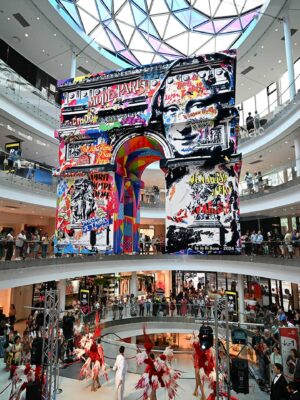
<point x="202" y="207"/>
<point x="85" y="213"/>
<point x="118" y="122"/>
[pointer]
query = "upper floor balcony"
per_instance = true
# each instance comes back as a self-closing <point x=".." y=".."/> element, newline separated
<point x="20" y="92"/>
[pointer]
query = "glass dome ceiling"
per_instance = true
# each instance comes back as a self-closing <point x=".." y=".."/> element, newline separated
<point x="150" y="31"/>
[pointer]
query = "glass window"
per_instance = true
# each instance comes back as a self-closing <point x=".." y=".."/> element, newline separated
<point x="284" y="88"/>
<point x="262" y="103"/>
<point x="272" y="94"/>
<point x="289" y="173"/>
<point x="249" y="107"/>
<point x="294" y="223"/>
<point x="297" y="74"/>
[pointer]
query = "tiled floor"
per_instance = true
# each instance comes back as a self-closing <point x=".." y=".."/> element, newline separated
<point x="74" y="389"/>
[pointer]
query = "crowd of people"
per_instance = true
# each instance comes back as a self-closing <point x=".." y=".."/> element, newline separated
<point x="24" y="244"/>
<point x="274" y="243"/>
<point x="255" y="183"/>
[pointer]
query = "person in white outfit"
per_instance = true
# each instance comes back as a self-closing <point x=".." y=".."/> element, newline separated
<point x="121" y="368"/>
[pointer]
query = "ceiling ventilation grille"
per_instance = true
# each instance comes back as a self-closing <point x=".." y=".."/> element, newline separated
<point x="21" y="20"/>
<point x="247" y="70"/>
<point x="83" y="70"/>
<point x="255" y="162"/>
<point x="14" y="138"/>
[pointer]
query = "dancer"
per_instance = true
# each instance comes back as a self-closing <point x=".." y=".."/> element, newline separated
<point x="158" y="372"/>
<point x="121" y="369"/>
<point x="21" y="376"/>
<point x="204" y="364"/>
<point x="94" y="366"/>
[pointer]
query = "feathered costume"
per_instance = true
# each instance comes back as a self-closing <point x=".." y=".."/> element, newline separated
<point x="93" y="354"/>
<point x="205" y="361"/>
<point x="158" y="372"/>
<point x="21" y="376"/>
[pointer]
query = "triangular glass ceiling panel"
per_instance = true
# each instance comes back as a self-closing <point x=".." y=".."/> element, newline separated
<point x="101" y="38"/>
<point x="118" y="45"/>
<point x="141" y="4"/>
<point x="180" y="43"/>
<point x="108" y="4"/>
<point x="103" y="11"/>
<point x="160" y="22"/>
<point x="219" y="24"/>
<point x="174" y="27"/>
<point x="214" y="4"/>
<point x="226" y="9"/>
<point x="139" y="43"/>
<point x="126" y="30"/>
<point x="179" y="5"/>
<point x="184" y="17"/>
<point x="195" y="41"/>
<point x="235" y="26"/>
<point x="89" y="6"/>
<point x="127" y="54"/>
<point x="160" y="46"/>
<point x="208" y="47"/>
<point x="251" y="4"/>
<point x="117" y="5"/>
<point x="203" y="6"/>
<point x="143" y="57"/>
<point x="196" y="19"/>
<point x="224" y="42"/>
<point x="158" y="59"/>
<point x="207" y="27"/>
<point x="89" y="22"/>
<point x="139" y="15"/>
<point x="158" y="7"/>
<point x="112" y="26"/>
<point x="125" y="15"/>
<point x="148" y="27"/>
<point x="247" y="18"/>
<point x="240" y="5"/>
<point x="71" y="9"/>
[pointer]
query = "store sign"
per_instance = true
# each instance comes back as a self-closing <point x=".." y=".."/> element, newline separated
<point x="289" y="340"/>
<point x="12" y="147"/>
<point x="84" y="297"/>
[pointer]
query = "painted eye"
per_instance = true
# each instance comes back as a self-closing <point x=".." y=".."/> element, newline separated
<point x="154" y="83"/>
<point x="172" y="110"/>
<point x="170" y="80"/>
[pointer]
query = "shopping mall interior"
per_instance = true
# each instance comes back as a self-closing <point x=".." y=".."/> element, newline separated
<point x="149" y="199"/>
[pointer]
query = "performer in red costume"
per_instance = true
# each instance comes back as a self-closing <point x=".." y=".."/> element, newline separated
<point x="204" y="364"/>
<point x="94" y="366"/>
<point x="158" y="372"/>
<point x="21" y="376"/>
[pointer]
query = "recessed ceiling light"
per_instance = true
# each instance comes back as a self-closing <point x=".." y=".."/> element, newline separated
<point x="271" y="165"/>
<point x="36" y="152"/>
<point x="54" y="34"/>
<point x="262" y="46"/>
<point x="270" y="151"/>
<point x="43" y="50"/>
<point x="265" y="75"/>
<point x="276" y="30"/>
<point x="295" y="44"/>
<point x="87" y="61"/>
<point x="61" y="65"/>
<point x="26" y="35"/>
<point x="286" y="142"/>
<point x="8" y="18"/>
<point x="38" y="18"/>
<point x="289" y="158"/>
<point x="248" y="60"/>
<point x="249" y="88"/>
<point x="279" y="61"/>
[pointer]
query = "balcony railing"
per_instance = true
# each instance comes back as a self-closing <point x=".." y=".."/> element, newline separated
<point x="18" y="90"/>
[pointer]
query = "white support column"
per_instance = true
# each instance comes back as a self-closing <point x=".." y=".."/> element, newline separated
<point x="61" y="286"/>
<point x="289" y="55"/>
<point x="73" y="64"/>
<point x="241" y="303"/>
<point x="133" y="284"/>
<point x="297" y="153"/>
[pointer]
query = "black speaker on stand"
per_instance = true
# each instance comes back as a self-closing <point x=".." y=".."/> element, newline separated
<point x="240" y="375"/>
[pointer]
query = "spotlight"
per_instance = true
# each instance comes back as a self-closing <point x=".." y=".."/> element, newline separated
<point x="206" y="337"/>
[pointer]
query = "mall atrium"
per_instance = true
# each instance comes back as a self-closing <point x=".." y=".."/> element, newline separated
<point x="149" y="199"/>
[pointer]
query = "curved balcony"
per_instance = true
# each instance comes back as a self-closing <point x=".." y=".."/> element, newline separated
<point x="18" y="273"/>
<point x="280" y="125"/>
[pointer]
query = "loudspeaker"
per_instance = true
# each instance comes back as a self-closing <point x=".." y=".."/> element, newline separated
<point x="37" y="351"/>
<point x="34" y="391"/>
<point x="240" y="376"/>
